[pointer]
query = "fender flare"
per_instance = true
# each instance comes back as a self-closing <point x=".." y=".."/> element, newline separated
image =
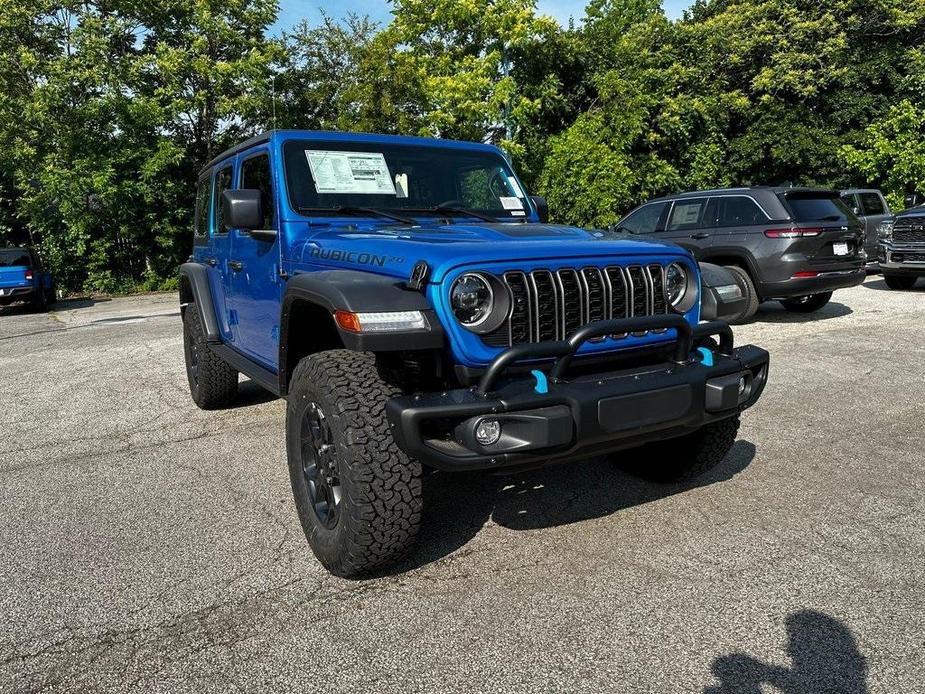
<point x="358" y="292"/>
<point x="198" y="278"/>
<point x="714" y="303"/>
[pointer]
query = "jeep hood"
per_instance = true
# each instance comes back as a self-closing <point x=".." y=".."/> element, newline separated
<point x="394" y="250"/>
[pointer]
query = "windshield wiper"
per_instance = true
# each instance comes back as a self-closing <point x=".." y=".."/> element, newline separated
<point x="353" y="209"/>
<point x="449" y="209"/>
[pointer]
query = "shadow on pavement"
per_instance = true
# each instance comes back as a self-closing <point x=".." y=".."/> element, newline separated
<point x="457" y="505"/>
<point x="773" y="312"/>
<point x="880" y="286"/>
<point x="824" y="656"/>
<point x="249" y="393"/>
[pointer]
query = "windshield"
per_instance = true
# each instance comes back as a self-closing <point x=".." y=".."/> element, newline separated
<point x="818" y="207"/>
<point x="14" y="258"/>
<point x="325" y="175"/>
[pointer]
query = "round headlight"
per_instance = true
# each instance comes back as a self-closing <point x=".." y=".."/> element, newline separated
<point x="472" y="299"/>
<point x="676" y="282"/>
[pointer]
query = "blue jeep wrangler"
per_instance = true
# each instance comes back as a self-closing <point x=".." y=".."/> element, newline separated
<point x="23" y="279"/>
<point x="409" y="300"/>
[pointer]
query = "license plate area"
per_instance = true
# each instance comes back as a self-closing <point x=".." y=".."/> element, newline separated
<point x="841" y="248"/>
<point x="644" y="409"/>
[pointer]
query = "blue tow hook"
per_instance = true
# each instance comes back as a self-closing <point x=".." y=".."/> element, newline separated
<point x="542" y="385"/>
<point x="706" y="356"/>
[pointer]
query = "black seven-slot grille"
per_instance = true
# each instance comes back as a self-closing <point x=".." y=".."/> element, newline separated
<point x="909" y="229"/>
<point x="552" y="304"/>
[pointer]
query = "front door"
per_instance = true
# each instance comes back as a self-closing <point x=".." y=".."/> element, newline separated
<point x="255" y="265"/>
<point x="688" y="225"/>
<point x="875" y="211"/>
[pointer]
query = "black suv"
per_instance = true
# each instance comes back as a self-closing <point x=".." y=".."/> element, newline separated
<point x="795" y="245"/>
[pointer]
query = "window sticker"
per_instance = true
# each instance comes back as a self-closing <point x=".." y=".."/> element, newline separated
<point x="350" y="172"/>
<point x="685" y="214"/>
<point x="515" y="187"/>
<point x="511" y="203"/>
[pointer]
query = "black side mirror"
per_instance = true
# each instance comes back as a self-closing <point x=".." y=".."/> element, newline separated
<point x="542" y="209"/>
<point x="242" y="209"/>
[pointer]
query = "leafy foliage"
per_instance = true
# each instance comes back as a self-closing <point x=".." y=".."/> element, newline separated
<point x="110" y="108"/>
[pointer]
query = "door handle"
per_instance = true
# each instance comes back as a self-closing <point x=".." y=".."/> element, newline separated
<point x="236" y="265"/>
<point x="700" y="236"/>
<point x="212" y="262"/>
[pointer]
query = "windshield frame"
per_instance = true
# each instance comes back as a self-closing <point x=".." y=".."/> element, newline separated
<point x="420" y="213"/>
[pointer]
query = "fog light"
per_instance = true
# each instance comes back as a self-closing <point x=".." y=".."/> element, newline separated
<point x="488" y="431"/>
<point x="743" y="384"/>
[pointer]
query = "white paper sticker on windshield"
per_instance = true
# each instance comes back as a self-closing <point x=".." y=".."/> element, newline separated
<point x="350" y="172"/>
<point x="511" y="203"/>
<point x="515" y="187"/>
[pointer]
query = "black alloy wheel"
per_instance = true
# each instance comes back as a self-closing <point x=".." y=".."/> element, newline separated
<point x="319" y="465"/>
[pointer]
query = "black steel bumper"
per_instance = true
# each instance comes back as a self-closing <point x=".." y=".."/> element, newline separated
<point x="545" y="416"/>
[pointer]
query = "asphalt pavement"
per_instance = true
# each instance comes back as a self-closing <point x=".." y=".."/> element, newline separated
<point x="149" y="546"/>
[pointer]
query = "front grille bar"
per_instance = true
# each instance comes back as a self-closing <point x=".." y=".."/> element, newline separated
<point x="552" y="304"/>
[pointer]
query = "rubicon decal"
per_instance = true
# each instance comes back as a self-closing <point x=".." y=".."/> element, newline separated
<point x="360" y="258"/>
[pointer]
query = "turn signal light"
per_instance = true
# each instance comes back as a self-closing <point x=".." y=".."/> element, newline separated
<point x="791" y="233"/>
<point x="348" y="321"/>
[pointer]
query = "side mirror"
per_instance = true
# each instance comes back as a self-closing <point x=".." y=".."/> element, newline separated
<point x="542" y="209"/>
<point x="242" y="209"/>
<point x="856" y="210"/>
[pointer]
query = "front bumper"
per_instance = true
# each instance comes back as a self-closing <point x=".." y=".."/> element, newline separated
<point x="545" y="418"/>
<point x="902" y="258"/>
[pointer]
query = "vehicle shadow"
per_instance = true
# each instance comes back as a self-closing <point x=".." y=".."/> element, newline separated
<point x="880" y="286"/>
<point x="824" y="656"/>
<point x="773" y="312"/>
<point x="250" y="394"/>
<point x="457" y="505"/>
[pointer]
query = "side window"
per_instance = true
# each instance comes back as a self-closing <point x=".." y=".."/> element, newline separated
<point x="738" y="211"/>
<point x="255" y="175"/>
<point x="222" y="183"/>
<point x="872" y="204"/>
<point x="202" y="208"/>
<point x="687" y="214"/>
<point x="643" y="220"/>
<point x="851" y="200"/>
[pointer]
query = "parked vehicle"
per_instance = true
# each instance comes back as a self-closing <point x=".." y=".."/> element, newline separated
<point x="871" y="208"/>
<point x="795" y="245"/>
<point x="23" y="279"/>
<point x="902" y="248"/>
<point x="409" y="301"/>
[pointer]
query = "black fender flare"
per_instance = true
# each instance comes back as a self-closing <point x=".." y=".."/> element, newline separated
<point x="716" y="303"/>
<point x="197" y="277"/>
<point x="358" y="292"/>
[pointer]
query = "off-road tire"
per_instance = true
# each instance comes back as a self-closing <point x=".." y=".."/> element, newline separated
<point x="379" y="512"/>
<point x="807" y="304"/>
<point x="899" y="281"/>
<point x="213" y="383"/>
<point x="689" y="456"/>
<point x="744" y="280"/>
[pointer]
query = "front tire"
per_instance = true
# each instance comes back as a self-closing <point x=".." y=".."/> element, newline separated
<point x="807" y="304"/>
<point x="744" y="280"/>
<point x="358" y="496"/>
<point x="899" y="281"/>
<point x="690" y="456"/>
<point x="213" y="384"/>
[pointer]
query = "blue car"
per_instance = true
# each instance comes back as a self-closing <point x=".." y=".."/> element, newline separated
<point x="417" y="311"/>
<point x="23" y="279"/>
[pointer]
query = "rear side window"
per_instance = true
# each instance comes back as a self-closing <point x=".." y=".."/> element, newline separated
<point x="643" y="220"/>
<point x="222" y="183"/>
<point x="687" y="214"/>
<point x="872" y="204"/>
<point x="15" y="258"/>
<point x="202" y="209"/>
<point x="737" y="211"/>
<point x="851" y="200"/>
<point x="817" y="208"/>
<point x="255" y="175"/>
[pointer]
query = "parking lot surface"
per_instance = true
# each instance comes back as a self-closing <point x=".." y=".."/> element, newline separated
<point x="149" y="546"/>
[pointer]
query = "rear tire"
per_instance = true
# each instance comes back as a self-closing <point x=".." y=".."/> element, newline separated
<point x="358" y="496"/>
<point x="213" y="383"/>
<point x="806" y="304"/>
<point x="899" y="281"/>
<point x="689" y="456"/>
<point x="744" y="280"/>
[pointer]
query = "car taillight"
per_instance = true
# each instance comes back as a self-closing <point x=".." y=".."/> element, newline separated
<point x="29" y="275"/>
<point x="791" y="233"/>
